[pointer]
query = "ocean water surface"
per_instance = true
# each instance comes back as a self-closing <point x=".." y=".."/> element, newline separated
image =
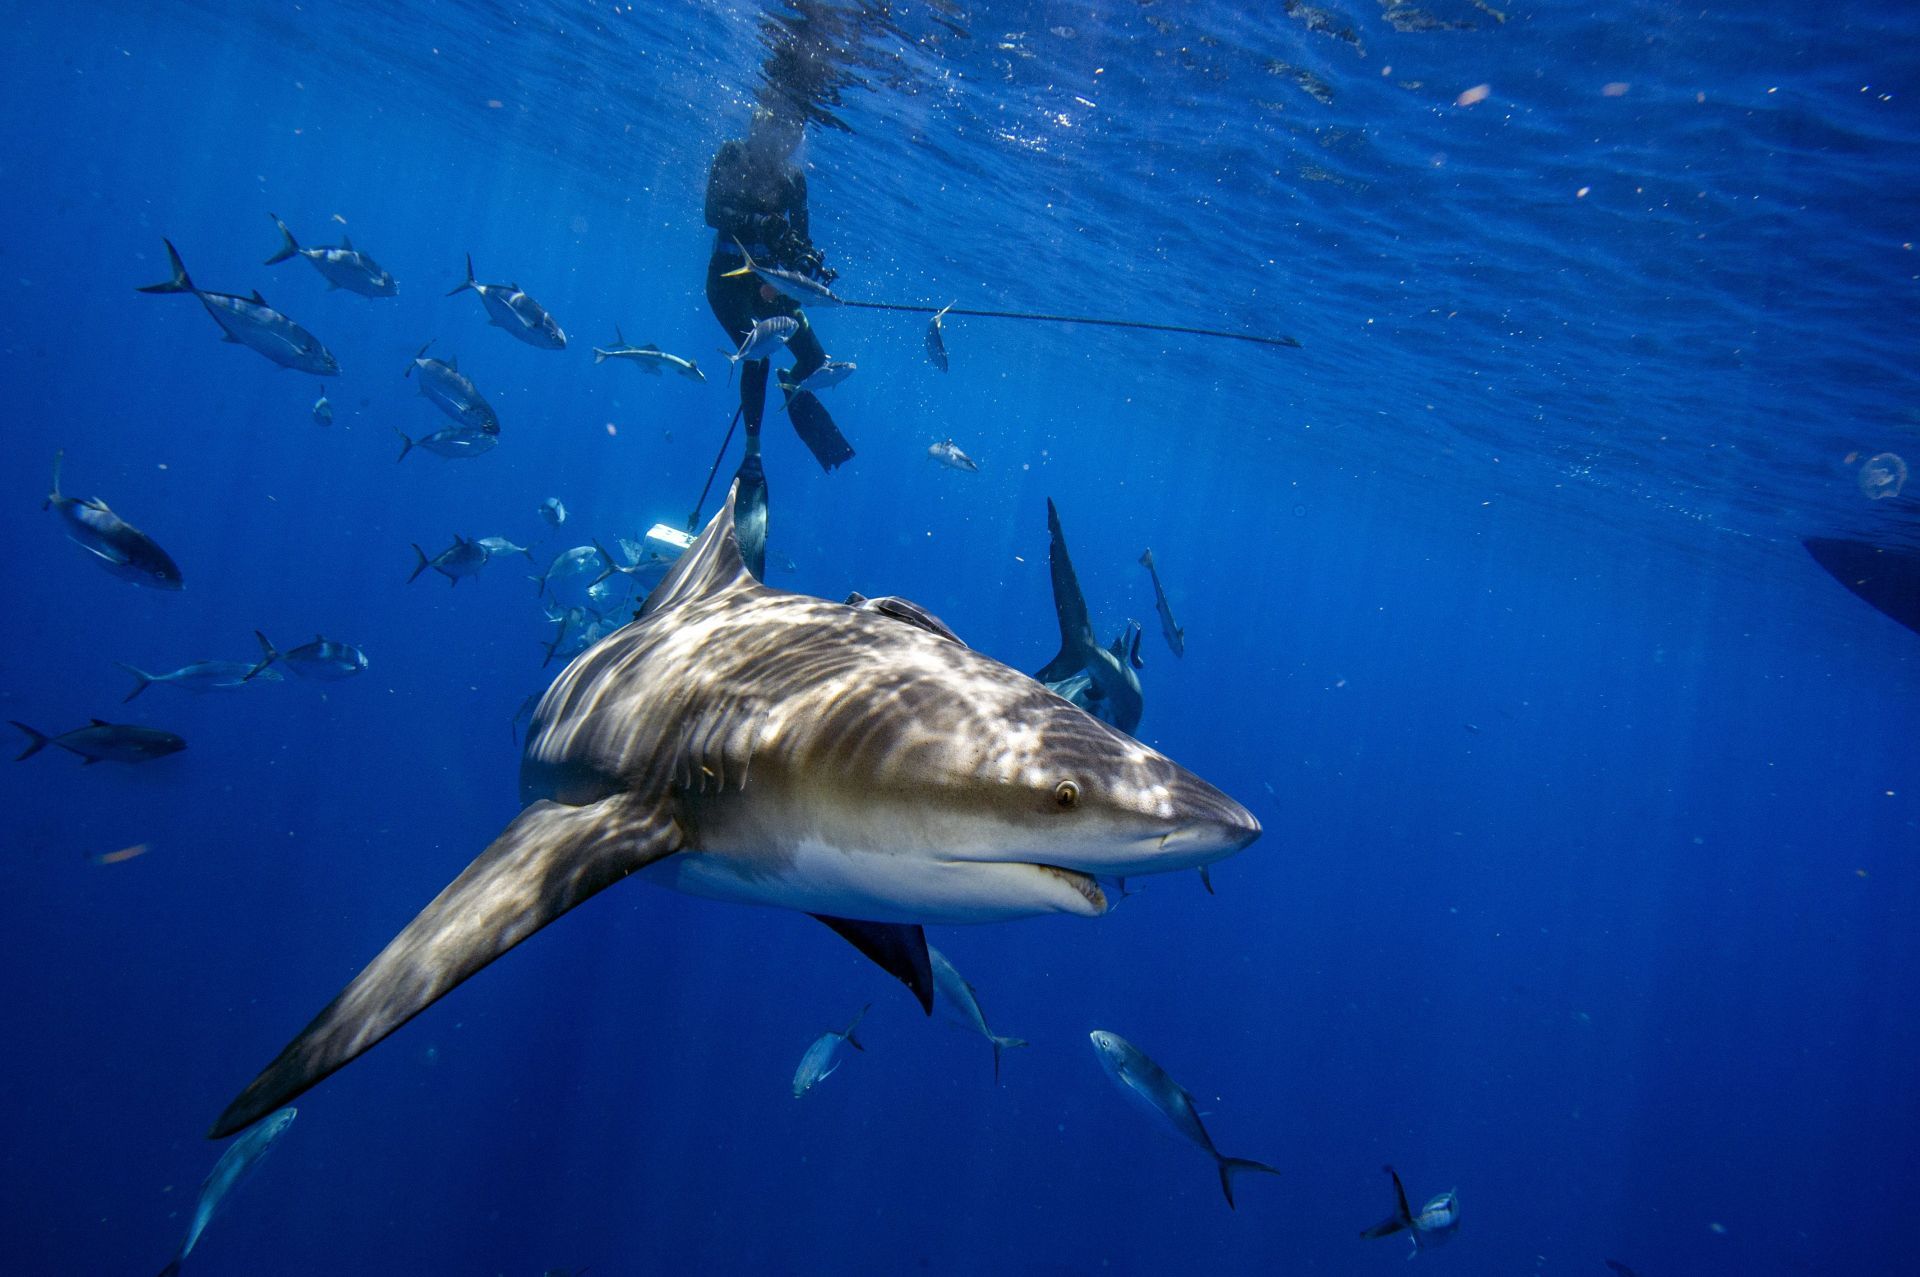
<point x="1588" y="882"/>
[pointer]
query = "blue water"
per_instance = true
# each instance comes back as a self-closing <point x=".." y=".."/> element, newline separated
<point x="1588" y="882"/>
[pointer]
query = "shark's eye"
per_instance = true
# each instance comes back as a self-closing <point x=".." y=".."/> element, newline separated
<point x="1066" y="795"/>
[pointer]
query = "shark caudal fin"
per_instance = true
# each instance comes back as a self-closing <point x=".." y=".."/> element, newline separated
<point x="267" y="657"/>
<point x="1231" y="1166"/>
<point x="470" y="281"/>
<point x="1402" y="1216"/>
<point x="36" y="741"/>
<point x="289" y="247"/>
<point x="551" y="858"/>
<point x="179" y="283"/>
<point x="897" y="948"/>
<point x="1069" y="606"/>
<point x="712" y="565"/>
<point x="424" y="562"/>
<point x="142" y="680"/>
<point x="1003" y="1044"/>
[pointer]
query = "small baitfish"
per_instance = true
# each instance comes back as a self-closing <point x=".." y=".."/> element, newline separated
<point x="115" y="544"/>
<point x="554" y="511"/>
<point x="104" y="742"/>
<point x="201" y="676"/>
<point x="250" y="322"/>
<point x="1147" y="1084"/>
<point x="948" y="454"/>
<point x="322" y="660"/>
<point x="936" y="340"/>
<point x="500" y="545"/>
<point x="964" y="1006"/>
<point x="825" y="377"/>
<point x="765" y="337"/>
<point x="322" y="411"/>
<point x="241" y="1157"/>
<point x="648" y="358"/>
<point x="509" y="307"/>
<point x="452" y="443"/>
<point x="462" y="558"/>
<point x="343" y="266"/>
<point x="825" y="1055"/>
<point x="450" y="390"/>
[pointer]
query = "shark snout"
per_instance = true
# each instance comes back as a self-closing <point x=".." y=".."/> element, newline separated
<point x="1208" y="825"/>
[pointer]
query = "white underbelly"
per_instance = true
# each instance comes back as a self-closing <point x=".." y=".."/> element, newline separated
<point x="813" y="877"/>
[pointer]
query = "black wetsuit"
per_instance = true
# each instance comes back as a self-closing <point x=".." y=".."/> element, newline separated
<point x="767" y="212"/>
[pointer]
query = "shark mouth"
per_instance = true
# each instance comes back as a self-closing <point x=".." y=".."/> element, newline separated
<point x="1089" y="887"/>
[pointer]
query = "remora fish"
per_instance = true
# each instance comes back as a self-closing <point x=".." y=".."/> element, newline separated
<point x="449" y="390"/>
<point x="322" y="411"/>
<point x="1436" y="1223"/>
<point x="342" y="267"/>
<point x="241" y="1156"/>
<point x="747" y="744"/>
<point x="765" y="337"/>
<point x="825" y="1055"/>
<point x="825" y="377"/>
<point x="802" y="288"/>
<point x="1110" y="671"/>
<point x="250" y="322"/>
<point x="1146" y="1083"/>
<point x="115" y="544"/>
<point x="1175" y="636"/>
<point x="509" y="307"/>
<point x="500" y="545"/>
<point x="936" y="343"/>
<point x="554" y="511"/>
<point x="201" y="676"/>
<point x="462" y="558"/>
<point x="965" y="1004"/>
<point x="322" y="660"/>
<point x="948" y="454"/>
<point x="452" y="443"/>
<point x="648" y="358"/>
<point x="103" y="742"/>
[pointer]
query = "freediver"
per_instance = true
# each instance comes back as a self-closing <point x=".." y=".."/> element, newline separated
<point x="757" y="204"/>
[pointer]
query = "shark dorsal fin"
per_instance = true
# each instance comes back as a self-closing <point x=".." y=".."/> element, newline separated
<point x="1069" y="605"/>
<point x="711" y="566"/>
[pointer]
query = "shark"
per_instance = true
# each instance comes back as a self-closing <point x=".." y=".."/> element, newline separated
<point x="735" y="741"/>
<point x="1109" y="671"/>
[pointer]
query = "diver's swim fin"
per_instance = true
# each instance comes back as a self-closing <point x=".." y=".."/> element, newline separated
<point x="750" y="514"/>
<point x="1886" y="579"/>
<point x="816" y="429"/>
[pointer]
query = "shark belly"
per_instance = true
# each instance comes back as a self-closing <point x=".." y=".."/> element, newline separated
<point x="813" y="876"/>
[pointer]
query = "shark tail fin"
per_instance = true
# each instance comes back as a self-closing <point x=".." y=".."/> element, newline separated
<point x="1069" y="605"/>
<point x="421" y="566"/>
<point x="1231" y="1166"/>
<point x="59" y="459"/>
<point x="288" y="245"/>
<point x="549" y="859"/>
<point x="143" y="681"/>
<point x="267" y="657"/>
<point x="406" y="445"/>
<point x="860" y="1015"/>
<point x="467" y="283"/>
<point x="178" y="283"/>
<point x="36" y="741"/>
<point x="1003" y="1044"/>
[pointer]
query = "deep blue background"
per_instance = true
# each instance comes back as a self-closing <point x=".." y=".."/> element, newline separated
<point x="1629" y="960"/>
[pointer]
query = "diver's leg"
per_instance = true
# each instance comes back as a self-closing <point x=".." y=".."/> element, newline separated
<point x="808" y="354"/>
<point x="809" y="416"/>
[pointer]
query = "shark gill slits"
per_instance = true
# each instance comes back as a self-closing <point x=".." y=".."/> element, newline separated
<point x="1066" y="795"/>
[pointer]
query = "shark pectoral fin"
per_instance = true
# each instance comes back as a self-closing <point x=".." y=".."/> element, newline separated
<point x="1062" y="667"/>
<point x="898" y="948"/>
<point x="548" y="860"/>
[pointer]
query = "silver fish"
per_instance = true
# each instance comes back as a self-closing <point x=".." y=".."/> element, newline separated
<point x="802" y="288"/>
<point x="241" y="1156"/>
<point x="115" y="544"/>
<point x="648" y="358"/>
<point x="948" y="454"/>
<point x="964" y="1005"/>
<point x="449" y="390"/>
<point x="1147" y="1084"/>
<point x="554" y="511"/>
<point x="462" y="558"/>
<point x="342" y="267"/>
<point x="936" y="342"/>
<point x="825" y="1055"/>
<point x="323" y="660"/>
<point x="765" y="337"/>
<point x="453" y="443"/>
<point x="500" y="545"/>
<point x="564" y="576"/>
<point x="201" y="676"/>
<point x="322" y="411"/>
<point x="1175" y="636"/>
<point x="250" y="322"/>
<point x="509" y="307"/>
<point x="1434" y="1225"/>
<point x="103" y="742"/>
<point x="825" y="377"/>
